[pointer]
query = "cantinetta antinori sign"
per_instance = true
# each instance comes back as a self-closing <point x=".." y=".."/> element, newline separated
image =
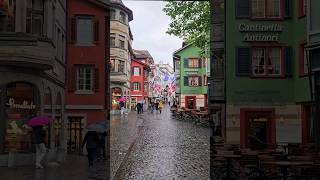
<point x="261" y="32"/>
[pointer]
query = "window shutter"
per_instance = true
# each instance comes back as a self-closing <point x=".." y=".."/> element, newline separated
<point x="243" y="8"/>
<point x="200" y="81"/>
<point x="131" y="86"/>
<point x="288" y="61"/>
<point x="199" y="62"/>
<point x="132" y="71"/>
<point x="186" y="82"/>
<point x="287" y="8"/>
<point x="72" y="79"/>
<point x="243" y="61"/>
<point x="96" y="79"/>
<point x="140" y="72"/>
<point x="185" y="62"/>
<point x="73" y="30"/>
<point x="96" y="31"/>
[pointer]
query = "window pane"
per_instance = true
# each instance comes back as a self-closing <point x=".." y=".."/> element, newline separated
<point x="122" y="17"/>
<point x="84" y="31"/>
<point x="258" y="7"/>
<point x="136" y="71"/>
<point x="196" y="81"/>
<point x="112" y="14"/>
<point x="112" y="41"/>
<point x="121" y="66"/>
<point x="274" y="61"/>
<point x="273" y="8"/>
<point x="258" y="61"/>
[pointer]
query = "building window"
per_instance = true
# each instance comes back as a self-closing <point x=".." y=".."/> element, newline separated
<point x="112" y="40"/>
<point x="265" y="8"/>
<point x="303" y="65"/>
<point x="193" y="81"/>
<point x="135" y="86"/>
<point x="7" y="17"/>
<point x="112" y="14"/>
<point x="85" y="78"/>
<point x="84" y="30"/>
<point x="121" y="66"/>
<point x="122" y="17"/>
<point x="193" y="63"/>
<point x="266" y="61"/>
<point x="302" y="8"/>
<point x="122" y="41"/>
<point x="34" y="18"/>
<point x="113" y="65"/>
<point x="136" y="71"/>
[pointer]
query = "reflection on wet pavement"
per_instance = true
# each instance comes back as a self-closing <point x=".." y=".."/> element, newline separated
<point x="166" y="148"/>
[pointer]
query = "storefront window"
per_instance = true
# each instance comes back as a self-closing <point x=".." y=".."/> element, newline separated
<point x="21" y="106"/>
<point x="7" y="15"/>
<point x="116" y="94"/>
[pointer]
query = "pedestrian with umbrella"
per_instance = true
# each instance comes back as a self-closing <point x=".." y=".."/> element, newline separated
<point x="39" y="135"/>
<point x="121" y="104"/>
<point x="91" y="140"/>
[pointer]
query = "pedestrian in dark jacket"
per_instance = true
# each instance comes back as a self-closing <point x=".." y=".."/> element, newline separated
<point x="39" y="137"/>
<point x="92" y="142"/>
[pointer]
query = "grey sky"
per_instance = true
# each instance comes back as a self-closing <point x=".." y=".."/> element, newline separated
<point x="148" y="28"/>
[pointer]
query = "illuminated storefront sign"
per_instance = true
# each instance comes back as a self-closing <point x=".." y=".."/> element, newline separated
<point x="261" y="32"/>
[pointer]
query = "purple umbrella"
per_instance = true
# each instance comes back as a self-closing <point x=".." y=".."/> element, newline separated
<point x="39" y="120"/>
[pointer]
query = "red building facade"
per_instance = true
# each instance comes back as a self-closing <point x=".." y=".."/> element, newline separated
<point x="86" y="95"/>
<point x="139" y="76"/>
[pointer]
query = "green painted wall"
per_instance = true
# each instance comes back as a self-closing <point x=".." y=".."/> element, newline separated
<point x="273" y="90"/>
<point x="190" y="52"/>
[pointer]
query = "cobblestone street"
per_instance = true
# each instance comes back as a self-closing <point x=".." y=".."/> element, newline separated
<point x="162" y="148"/>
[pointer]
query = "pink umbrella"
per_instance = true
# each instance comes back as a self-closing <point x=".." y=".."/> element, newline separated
<point x="122" y="99"/>
<point x="39" y="120"/>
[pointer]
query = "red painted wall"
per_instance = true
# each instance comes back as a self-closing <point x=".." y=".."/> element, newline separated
<point x="87" y="55"/>
<point x="138" y="94"/>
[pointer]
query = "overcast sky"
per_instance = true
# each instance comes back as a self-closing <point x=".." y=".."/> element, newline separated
<point x="148" y="28"/>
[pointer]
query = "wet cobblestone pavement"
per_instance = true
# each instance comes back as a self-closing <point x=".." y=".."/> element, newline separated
<point x="165" y="148"/>
<point x="74" y="168"/>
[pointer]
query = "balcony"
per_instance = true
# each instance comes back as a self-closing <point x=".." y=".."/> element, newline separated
<point x="23" y="50"/>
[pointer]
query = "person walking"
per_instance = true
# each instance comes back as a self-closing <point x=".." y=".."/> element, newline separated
<point x="92" y="142"/>
<point x="121" y="105"/>
<point x="161" y="104"/>
<point x="41" y="150"/>
<point x="157" y="105"/>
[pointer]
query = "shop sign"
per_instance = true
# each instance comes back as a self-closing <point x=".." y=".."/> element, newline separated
<point x="24" y="105"/>
<point x="191" y="73"/>
<point x="261" y="32"/>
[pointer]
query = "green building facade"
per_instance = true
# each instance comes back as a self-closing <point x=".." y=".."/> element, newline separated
<point x="191" y="76"/>
<point x="267" y="87"/>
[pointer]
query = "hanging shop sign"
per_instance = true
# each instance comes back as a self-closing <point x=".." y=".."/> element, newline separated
<point x="24" y="105"/>
<point x="261" y="32"/>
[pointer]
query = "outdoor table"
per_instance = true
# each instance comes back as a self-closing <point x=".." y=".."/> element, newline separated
<point x="201" y="114"/>
<point x="181" y="111"/>
<point x="284" y="165"/>
<point x="228" y="157"/>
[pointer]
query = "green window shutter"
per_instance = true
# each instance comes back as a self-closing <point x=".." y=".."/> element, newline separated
<point x="288" y="61"/>
<point x="243" y="61"/>
<point x="199" y="62"/>
<point x="185" y="80"/>
<point x="185" y="62"/>
<point x="243" y="8"/>
<point x="200" y="81"/>
<point x="287" y="8"/>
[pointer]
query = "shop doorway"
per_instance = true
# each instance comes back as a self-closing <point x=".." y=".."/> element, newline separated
<point x="133" y="103"/>
<point x="75" y="128"/>
<point x="257" y="129"/>
<point x="191" y="102"/>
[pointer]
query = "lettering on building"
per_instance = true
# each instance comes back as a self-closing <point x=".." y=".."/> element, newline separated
<point x="23" y="105"/>
<point x="261" y="32"/>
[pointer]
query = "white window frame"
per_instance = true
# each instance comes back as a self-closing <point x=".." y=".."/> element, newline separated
<point x="136" y="86"/>
<point x="84" y="90"/>
<point x="134" y="71"/>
